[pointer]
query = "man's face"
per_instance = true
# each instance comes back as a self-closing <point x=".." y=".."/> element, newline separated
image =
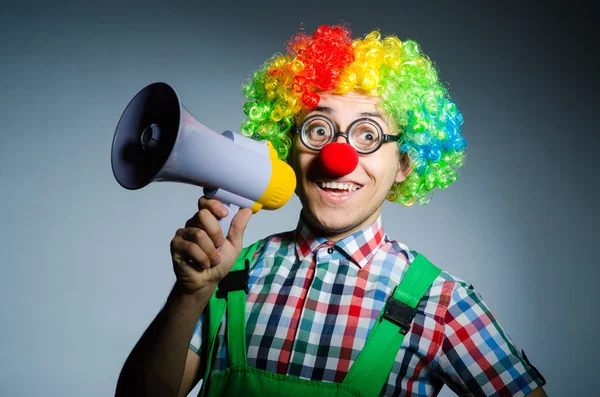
<point x="338" y="212"/>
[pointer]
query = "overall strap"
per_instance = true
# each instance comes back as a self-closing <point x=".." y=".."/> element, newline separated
<point x="236" y="317"/>
<point x="374" y="363"/>
<point x="236" y="312"/>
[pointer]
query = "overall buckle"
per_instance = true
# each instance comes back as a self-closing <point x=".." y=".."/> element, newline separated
<point x="400" y="314"/>
<point x="235" y="281"/>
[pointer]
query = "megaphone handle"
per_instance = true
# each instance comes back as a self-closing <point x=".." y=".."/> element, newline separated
<point x="225" y="222"/>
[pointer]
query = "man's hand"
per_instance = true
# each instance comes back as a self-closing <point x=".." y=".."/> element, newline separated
<point x="201" y="254"/>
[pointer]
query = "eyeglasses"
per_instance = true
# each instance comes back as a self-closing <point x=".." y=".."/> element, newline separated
<point x="365" y="134"/>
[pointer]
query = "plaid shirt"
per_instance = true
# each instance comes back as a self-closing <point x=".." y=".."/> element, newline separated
<point x="312" y="304"/>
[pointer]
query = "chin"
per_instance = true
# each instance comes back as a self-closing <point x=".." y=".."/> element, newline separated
<point x="331" y="222"/>
<point x="333" y="219"/>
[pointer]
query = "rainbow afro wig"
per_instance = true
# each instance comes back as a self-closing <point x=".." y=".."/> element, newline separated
<point x="286" y="87"/>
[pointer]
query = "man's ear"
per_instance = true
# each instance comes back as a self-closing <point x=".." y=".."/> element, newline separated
<point x="404" y="168"/>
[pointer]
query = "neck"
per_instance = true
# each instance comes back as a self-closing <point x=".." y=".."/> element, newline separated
<point x="336" y="235"/>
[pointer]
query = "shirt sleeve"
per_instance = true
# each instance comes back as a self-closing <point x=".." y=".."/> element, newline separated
<point x="477" y="356"/>
<point x="196" y="340"/>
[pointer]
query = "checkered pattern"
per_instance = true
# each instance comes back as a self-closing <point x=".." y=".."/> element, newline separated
<point x="312" y="304"/>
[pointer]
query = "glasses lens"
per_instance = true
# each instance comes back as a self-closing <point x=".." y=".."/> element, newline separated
<point x="317" y="132"/>
<point x="365" y="136"/>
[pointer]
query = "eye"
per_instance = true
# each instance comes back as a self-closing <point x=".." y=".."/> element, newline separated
<point x="319" y="131"/>
<point x="316" y="133"/>
<point x="367" y="136"/>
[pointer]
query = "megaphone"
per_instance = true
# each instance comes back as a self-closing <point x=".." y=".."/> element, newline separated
<point x="157" y="139"/>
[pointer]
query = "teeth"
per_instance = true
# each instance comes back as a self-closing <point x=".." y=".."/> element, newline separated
<point x="341" y="186"/>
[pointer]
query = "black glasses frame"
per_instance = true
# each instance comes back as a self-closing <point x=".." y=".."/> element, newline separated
<point x="384" y="137"/>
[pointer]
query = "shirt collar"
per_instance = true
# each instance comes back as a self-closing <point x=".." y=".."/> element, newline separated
<point x="359" y="247"/>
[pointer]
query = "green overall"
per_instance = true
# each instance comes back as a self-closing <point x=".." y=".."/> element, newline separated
<point x="366" y="376"/>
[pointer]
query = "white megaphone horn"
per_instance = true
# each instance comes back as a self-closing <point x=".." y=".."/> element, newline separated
<point x="157" y="139"/>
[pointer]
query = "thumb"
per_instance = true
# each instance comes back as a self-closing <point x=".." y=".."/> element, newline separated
<point x="237" y="228"/>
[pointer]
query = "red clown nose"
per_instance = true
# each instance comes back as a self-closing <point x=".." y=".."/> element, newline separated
<point x="338" y="158"/>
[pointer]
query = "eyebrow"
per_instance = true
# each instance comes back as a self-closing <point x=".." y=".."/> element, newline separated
<point x="372" y="114"/>
<point x="328" y="110"/>
<point x="323" y="109"/>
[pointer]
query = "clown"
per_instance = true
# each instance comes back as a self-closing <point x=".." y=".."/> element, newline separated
<point x="415" y="103"/>
<point x="334" y="307"/>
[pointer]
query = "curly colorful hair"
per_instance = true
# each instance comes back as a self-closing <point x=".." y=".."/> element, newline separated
<point x="286" y="87"/>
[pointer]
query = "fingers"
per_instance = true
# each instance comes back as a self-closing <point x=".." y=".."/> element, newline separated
<point x="205" y="220"/>
<point x="202" y="242"/>
<point x="198" y="245"/>
<point x="202" y="236"/>
<point x="189" y="253"/>
<point x="238" y="227"/>
<point x="214" y="206"/>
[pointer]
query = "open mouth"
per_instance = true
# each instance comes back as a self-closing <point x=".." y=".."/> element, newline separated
<point x="338" y="188"/>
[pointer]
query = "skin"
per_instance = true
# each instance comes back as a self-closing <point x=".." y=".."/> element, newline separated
<point x="375" y="172"/>
<point x="161" y="363"/>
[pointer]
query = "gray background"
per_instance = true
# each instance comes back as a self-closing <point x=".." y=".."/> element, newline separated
<point x="86" y="264"/>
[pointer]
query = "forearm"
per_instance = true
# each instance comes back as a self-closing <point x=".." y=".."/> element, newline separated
<point x="156" y="364"/>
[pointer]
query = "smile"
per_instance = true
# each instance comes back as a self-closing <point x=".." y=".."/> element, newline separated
<point x="343" y="186"/>
<point x="337" y="192"/>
